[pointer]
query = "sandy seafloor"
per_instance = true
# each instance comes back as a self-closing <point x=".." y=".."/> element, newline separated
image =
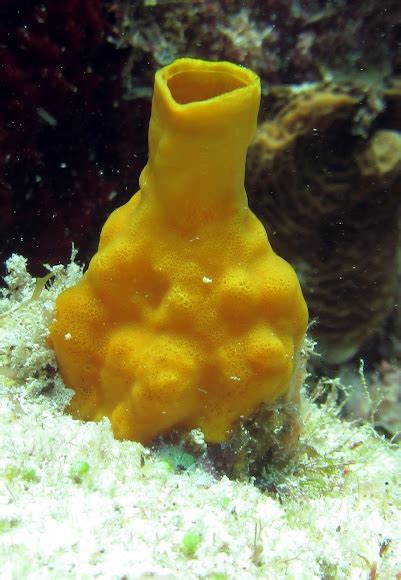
<point x="76" y="503"/>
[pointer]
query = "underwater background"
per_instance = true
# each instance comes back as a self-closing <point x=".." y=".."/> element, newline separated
<point x="324" y="177"/>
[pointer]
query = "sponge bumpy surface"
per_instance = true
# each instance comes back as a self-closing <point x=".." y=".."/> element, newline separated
<point x="177" y="326"/>
<point x="165" y="332"/>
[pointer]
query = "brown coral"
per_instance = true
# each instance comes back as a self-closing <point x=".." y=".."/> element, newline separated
<point x="331" y="196"/>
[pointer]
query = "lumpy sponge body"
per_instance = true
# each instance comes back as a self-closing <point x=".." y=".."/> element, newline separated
<point x="185" y="318"/>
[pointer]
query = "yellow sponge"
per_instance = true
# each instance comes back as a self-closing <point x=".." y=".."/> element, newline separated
<point x="186" y="317"/>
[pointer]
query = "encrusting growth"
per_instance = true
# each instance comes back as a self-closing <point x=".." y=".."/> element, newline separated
<point x="186" y="318"/>
<point x="331" y="195"/>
